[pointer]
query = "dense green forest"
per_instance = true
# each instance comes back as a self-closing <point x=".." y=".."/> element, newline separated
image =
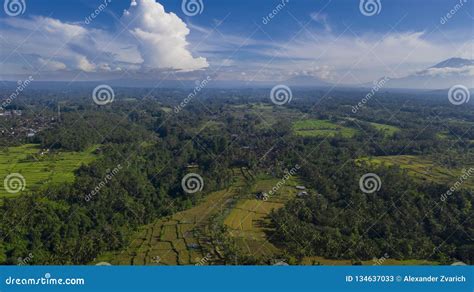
<point x="145" y="147"/>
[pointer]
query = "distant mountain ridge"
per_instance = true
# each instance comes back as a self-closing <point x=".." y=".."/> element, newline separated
<point x="444" y="74"/>
<point x="454" y="63"/>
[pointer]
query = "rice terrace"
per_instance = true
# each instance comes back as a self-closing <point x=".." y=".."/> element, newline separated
<point x="195" y="237"/>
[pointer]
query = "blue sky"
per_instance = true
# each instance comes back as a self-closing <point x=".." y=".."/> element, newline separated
<point x="331" y="40"/>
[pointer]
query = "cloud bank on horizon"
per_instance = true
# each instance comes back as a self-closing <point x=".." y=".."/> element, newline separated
<point x="237" y="41"/>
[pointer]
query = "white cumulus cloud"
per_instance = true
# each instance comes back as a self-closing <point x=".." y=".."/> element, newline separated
<point x="154" y="41"/>
<point x="161" y="37"/>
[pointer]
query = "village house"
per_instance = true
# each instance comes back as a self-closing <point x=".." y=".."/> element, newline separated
<point x="302" y="194"/>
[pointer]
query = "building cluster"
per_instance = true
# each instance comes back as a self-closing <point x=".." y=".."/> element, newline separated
<point x="11" y="113"/>
<point x="14" y="124"/>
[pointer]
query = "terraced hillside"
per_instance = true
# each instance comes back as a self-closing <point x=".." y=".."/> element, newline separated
<point x="183" y="238"/>
<point x="424" y="168"/>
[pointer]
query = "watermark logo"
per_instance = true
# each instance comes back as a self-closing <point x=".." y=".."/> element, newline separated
<point x="192" y="7"/>
<point x="199" y="86"/>
<point x="377" y="86"/>
<point x="26" y="260"/>
<point x="103" y="95"/>
<point x="370" y="183"/>
<point x="459" y="94"/>
<point x="267" y="18"/>
<point x="22" y="85"/>
<point x="288" y="174"/>
<point x="14" y="7"/>
<point x="204" y="261"/>
<point x="445" y="18"/>
<point x="47" y="279"/>
<point x="466" y="175"/>
<point x="192" y="183"/>
<point x="107" y="178"/>
<point x="380" y="261"/>
<point x="281" y="94"/>
<point x="97" y="11"/>
<point x="14" y="183"/>
<point x="370" y="7"/>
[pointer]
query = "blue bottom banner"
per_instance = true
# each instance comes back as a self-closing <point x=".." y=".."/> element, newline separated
<point x="236" y="278"/>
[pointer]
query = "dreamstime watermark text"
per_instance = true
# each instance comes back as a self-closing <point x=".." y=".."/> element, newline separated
<point x="204" y="261"/>
<point x="288" y="174"/>
<point x="107" y="178"/>
<point x="445" y="18"/>
<point x="22" y="85"/>
<point x="25" y="260"/>
<point x="44" y="280"/>
<point x="381" y="260"/>
<point x="97" y="11"/>
<point x="267" y="18"/>
<point x="200" y="85"/>
<point x="377" y="86"/>
<point x="467" y="174"/>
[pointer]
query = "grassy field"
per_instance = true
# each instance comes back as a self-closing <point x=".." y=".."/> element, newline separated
<point x="166" y="109"/>
<point x="322" y="128"/>
<point x="181" y="239"/>
<point x="39" y="170"/>
<point x="423" y="168"/>
<point x="266" y="115"/>
<point x="388" y="130"/>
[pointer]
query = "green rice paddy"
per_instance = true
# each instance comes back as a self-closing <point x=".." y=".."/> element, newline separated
<point x="423" y="168"/>
<point x="322" y="129"/>
<point x="388" y="130"/>
<point x="39" y="167"/>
